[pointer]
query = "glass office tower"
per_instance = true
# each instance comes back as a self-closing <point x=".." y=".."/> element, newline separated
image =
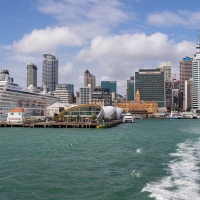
<point x="112" y="85"/>
<point x="50" y="72"/>
<point x="151" y="85"/>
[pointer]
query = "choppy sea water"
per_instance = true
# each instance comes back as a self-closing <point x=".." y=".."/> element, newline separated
<point x="149" y="159"/>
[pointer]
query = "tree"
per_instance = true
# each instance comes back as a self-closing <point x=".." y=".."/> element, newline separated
<point x="94" y="117"/>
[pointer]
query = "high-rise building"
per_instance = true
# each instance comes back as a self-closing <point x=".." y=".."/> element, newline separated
<point x="188" y="94"/>
<point x="130" y="91"/>
<point x="185" y="71"/>
<point x="151" y="84"/>
<point x="112" y="85"/>
<point x="85" y="94"/>
<point x="166" y="68"/>
<point x="31" y="75"/>
<point x="64" y="94"/>
<point x="89" y="79"/>
<point x="50" y="71"/>
<point x="101" y="96"/>
<point x="196" y="78"/>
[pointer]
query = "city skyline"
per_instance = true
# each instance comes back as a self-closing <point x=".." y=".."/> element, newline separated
<point x="113" y="39"/>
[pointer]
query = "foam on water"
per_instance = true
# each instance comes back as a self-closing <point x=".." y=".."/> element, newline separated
<point x="184" y="177"/>
<point x="135" y="173"/>
<point x="139" y="151"/>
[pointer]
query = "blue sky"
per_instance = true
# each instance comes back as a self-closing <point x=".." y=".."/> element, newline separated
<point x="112" y="38"/>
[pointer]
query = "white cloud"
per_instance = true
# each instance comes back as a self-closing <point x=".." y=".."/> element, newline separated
<point x="46" y="41"/>
<point x="167" y="18"/>
<point x="66" y="70"/>
<point x="89" y="18"/>
<point x="155" y="47"/>
<point x="4" y="48"/>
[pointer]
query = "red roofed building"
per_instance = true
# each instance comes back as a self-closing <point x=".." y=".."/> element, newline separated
<point x="16" y="115"/>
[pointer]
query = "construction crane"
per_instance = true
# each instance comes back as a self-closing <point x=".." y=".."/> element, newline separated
<point x="174" y="78"/>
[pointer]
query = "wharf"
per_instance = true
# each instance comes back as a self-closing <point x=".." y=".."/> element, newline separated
<point x="54" y="124"/>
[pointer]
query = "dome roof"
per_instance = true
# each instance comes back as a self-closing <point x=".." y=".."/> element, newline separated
<point x="119" y="112"/>
<point x="108" y="111"/>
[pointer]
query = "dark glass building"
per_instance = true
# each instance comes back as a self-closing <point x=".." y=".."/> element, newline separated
<point x="151" y="84"/>
<point x="50" y="72"/>
<point x="112" y="85"/>
<point x="130" y="92"/>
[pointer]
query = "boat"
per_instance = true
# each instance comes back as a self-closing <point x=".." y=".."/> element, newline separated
<point x="128" y="117"/>
<point x="174" y="115"/>
<point x="33" y="100"/>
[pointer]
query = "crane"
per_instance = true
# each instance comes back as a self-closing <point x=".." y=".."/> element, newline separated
<point x="174" y="78"/>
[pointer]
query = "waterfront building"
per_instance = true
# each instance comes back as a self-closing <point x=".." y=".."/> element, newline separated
<point x="188" y="94"/>
<point x="101" y="96"/>
<point x="151" y="84"/>
<point x="31" y="75"/>
<point x="91" y="112"/>
<point x="196" y="78"/>
<point x="139" y="106"/>
<point x="89" y="79"/>
<point x="166" y="68"/>
<point x="130" y="91"/>
<point x="112" y="85"/>
<point x="85" y="94"/>
<point x="64" y="94"/>
<point x="50" y="71"/>
<point x="56" y="108"/>
<point x="185" y="71"/>
<point x="16" y="115"/>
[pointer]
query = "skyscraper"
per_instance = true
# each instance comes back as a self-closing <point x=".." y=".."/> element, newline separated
<point x="50" y="71"/>
<point x="89" y="79"/>
<point x="166" y="68"/>
<point x="185" y="72"/>
<point x="31" y="75"/>
<point x="151" y="84"/>
<point x="196" y="77"/>
<point x="130" y="91"/>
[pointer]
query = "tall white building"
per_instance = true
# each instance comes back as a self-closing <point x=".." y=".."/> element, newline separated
<point x="196" y="78"/>
<point x="85" y="94"/>
<point x="166" y="68"/>
<point x="89" y="79"/>
<point x="65" y="95"/>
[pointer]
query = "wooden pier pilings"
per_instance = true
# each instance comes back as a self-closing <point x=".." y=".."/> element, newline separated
<point x="62" y="124"/>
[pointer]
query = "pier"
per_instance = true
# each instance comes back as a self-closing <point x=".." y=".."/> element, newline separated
<point x="53" y="124"/>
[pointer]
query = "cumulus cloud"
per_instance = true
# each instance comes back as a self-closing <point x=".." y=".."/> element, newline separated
<point x="135" y="47"/>
<point x="66" y="70"/>
<point x="46" y="40"/>
<point x="167" y="18"/>
<point x="87" y="17"/>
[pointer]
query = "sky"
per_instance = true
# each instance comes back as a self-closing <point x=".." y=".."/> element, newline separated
<point x="111" y="38"/>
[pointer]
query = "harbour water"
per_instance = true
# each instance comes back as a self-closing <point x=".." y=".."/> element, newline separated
<point x="148" y="159"/>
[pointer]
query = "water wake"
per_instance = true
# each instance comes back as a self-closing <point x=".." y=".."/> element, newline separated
<point x="184" y="177"/>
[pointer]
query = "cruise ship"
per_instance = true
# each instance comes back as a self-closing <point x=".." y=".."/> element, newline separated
<point x="32" y="100"/>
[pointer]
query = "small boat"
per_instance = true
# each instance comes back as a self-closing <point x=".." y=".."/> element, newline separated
<point x="128" y="117"/>
<point x="175" y="115"/>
